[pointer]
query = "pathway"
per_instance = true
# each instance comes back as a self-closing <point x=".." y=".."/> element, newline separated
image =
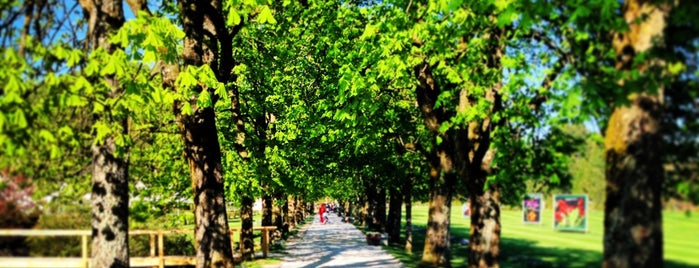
<point x="335" y="244"/>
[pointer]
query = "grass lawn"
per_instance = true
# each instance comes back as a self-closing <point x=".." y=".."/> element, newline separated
<point x="525" y="245"/>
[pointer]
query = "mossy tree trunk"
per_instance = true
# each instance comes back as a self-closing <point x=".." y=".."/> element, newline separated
<point x="437" y="250"/>
<point x="633" y="234"/>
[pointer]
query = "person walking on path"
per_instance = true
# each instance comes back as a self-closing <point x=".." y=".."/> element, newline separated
<point x="334" y="245"/>
<point x="321" y="213"/>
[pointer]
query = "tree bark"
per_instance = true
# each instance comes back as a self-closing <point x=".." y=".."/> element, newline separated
<point x="292" y="212"/>
<point x="407" y="194"/>
<point x="485" y="229"/>
<point x="267" y="213"/>
<point x="246" y="234"/>
<point x="202" y="151"/>
<point x="394" y="215"/>
<point x="437" y="251"/>
<point x="633" y="235"/>
<point x="280" y="213"/>
<point x="203" y="155"/>
<point x="110" y="184"/>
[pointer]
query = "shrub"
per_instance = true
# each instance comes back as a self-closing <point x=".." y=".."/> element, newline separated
<point x="17" y="211"/>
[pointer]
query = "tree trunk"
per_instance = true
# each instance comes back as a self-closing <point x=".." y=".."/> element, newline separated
<point x="633" y="234"/>
<point x="110" y="184"/>
<point x="394" y="215"/>
<point x="267" y="206"/>
<point x="203" y="155"/>
<point x="437" y="251"/>
<point x="246" y="234"/>
<point x="292" y="212"/>
<point x="110" y="209"/>
<point x="376" y="212"/>
<point x="206" y="42"/>
<point x="407" y="194"/>
<point x="364" y="214"/>
<point x="485" y="228"/>
<point x="379" y="216"/>
<point x="281" y="214"/>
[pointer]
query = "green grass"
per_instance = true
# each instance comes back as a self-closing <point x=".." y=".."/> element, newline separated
<point x="525" y="245"/>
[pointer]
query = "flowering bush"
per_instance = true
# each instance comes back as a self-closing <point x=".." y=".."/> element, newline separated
<point x="17" y="210"/>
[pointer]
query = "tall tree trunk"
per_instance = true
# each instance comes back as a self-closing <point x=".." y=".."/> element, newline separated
<point x="437" y="251"/>
<point x="110" y="185"/>
<point x="379" y="216"/>
<point x="292" y="212"/>
<point x="204" y="158"/>
<point x="280" y="213"/>
<point x="394" y="215"/>
<point x="474" y="159"/>
<point x="364" y="214"/>
<point x="246" y="234"/>
<point x="110" y="209"/>
<point x="286" y="217"/>
<point x="407" y="194"/>
<point x="485" y="228"/>
<point x="267" y="206"/>
<point x="202" y="150"/>
<point x="633" y="235"/>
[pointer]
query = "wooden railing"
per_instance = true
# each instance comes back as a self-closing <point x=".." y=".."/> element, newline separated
<point x="84" y="261"/>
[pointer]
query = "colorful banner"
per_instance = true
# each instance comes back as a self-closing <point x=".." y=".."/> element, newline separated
<point x="569" y="213"/>
<point x="466" y="209"/>
<point x="532" y="205"/>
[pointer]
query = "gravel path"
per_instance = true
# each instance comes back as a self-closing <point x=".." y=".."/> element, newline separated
<point x="335" y="244"/>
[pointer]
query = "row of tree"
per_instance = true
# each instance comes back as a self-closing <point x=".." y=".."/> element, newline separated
<point x="349" y="99"/>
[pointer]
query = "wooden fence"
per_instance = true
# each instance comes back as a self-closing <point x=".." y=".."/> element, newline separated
<point x="84" y="261"/>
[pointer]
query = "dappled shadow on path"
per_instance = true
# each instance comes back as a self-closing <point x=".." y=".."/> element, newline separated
<point x="334" y="245"/>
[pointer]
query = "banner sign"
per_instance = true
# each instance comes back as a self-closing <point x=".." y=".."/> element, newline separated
<point x="569" y="213"/>
<point x="532" y="205"/>
<point x="466" y="209"/>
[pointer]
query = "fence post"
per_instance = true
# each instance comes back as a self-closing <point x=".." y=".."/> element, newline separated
<point x="152" y="244"/>
<point x="265" y="242"/>
<point x="161" y="249"/>
<point x="84" y="253"/>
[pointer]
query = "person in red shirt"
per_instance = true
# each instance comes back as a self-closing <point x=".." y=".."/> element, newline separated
<point x="321" y="213"/>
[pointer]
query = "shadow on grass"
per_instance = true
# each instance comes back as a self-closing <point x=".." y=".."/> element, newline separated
<point x="514" y="253"/>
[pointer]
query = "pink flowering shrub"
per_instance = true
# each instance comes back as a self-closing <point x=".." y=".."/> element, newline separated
<point x="17" y="211"/>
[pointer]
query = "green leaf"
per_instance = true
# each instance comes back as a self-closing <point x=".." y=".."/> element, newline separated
<point x="109" y="69"/>
<point x="149" y="56"/>
<point x="266" y="16"/>
<point x="187" y="108"/>
<point x="233" y="17"/>
<point x="101" y="130"/>
<point x="204" y="99"/>
<point x="47" y="136"/>
<point x="74" y="57"/>
<point x="19" y="119"/>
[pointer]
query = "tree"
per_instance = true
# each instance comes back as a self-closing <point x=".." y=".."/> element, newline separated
<point x="633" y="142"/>
<point x="110" y="181"/>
